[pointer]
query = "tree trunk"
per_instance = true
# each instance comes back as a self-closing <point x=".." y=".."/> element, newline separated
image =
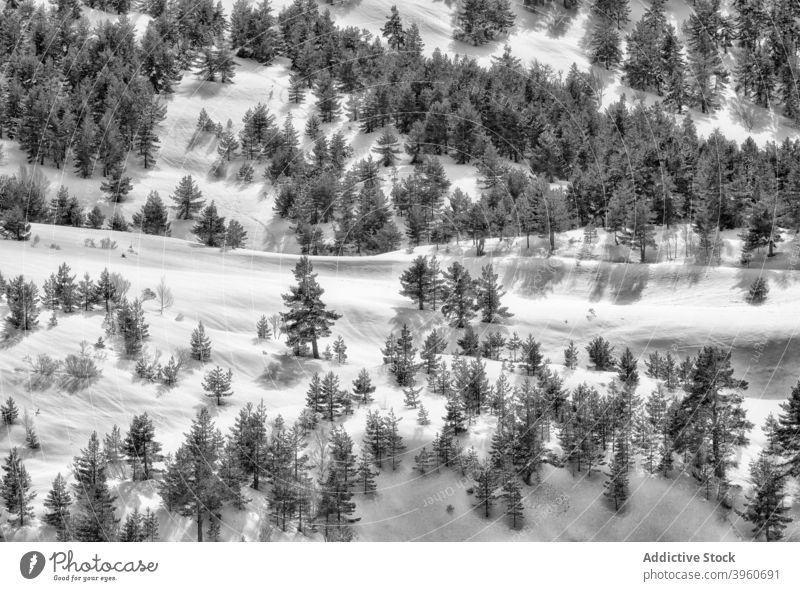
<point x="314" y="348"/>
<point x="199" y="524"/>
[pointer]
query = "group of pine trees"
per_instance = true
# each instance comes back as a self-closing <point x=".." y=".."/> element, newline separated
<point x="628" y="167"/>
<point x="458" y="296"/>
<point x="687" y="67"/>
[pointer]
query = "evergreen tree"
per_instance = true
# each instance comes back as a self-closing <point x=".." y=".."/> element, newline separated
<point x="365" y="474"/>
<point x="210" y="228"/>
<point x="363" y="388"/>
<point x="307" y="319"/>
<point x="235" y="235"/>
<point x="9" y="411"/>
<point x="117" y="186"/>
<point x="152" y="218"/>
<point x="141" y="448"/>
<point x="340" y="350"/>
<point x="422" y="416"/>
<point x="710" y="421"/>
<point x="433" y="346"/>
<point x="22" y="299"/>
<point x="200" y="344"/>
<point x="488" y="293"/>
<point x="512" y="498"/>
<point x="15" y="488"/>
<point x="188" y="198"/>
<point x="263" y="331"/>
<point x="191" y="485"/>
<point x="394" y="442"/>
<point x="601" y="354"/>
<point x="416" y="282"/>
<point x="788" y="431"/>
<point x="93" y="516"/>
<point x="58" y="504"/>
<point x="485" y="487"/>
<point x="217" y="384"/>
<point x="469" y="343"/>
<point x="458" y="304"/>
<point x="617" y="484"/>
<point x="387" y="149"/>
<point x="765" y="506"/>
<point x="95" y="218"/>
<point x="132" y="326"/>
<point x="571" y="356"/>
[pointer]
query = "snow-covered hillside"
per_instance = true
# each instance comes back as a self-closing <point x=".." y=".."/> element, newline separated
<point x="670" y="303"/>
<point x="644" y="307"/>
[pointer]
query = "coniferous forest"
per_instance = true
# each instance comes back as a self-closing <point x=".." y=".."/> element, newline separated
<point x="273" y="272"/>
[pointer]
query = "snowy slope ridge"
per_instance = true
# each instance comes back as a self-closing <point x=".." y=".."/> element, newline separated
<point x="229" y="291"/>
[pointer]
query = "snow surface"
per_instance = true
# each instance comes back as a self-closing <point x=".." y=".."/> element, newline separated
<point x="667" y="304"/>
<point x="228" y="291"/>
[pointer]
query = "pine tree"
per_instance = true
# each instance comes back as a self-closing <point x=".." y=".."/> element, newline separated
<point x="22" y="299"/>
<point x="571" y="356"/>
<point x="149" y="526"/>
<point x="626" y="369"/>
<point x="458" y="304"/>
<point x="327" y="97"/>
<point x="152" y="218"/>
<point x="485" y="487"/>
<point x="117" y="186"/>
<point x="364" y="473"/>
<point x="340" y="350"/>
<point x="217" y="384"/>
<point x="469" y="343"/>
<point x="489" y="293"/>
<point x="191" y="485"/>
<point x="601" y="354"/>
<point x="263" y="331"/>
<point x="210" y="228"/>
<point x="411" y="396"/>
<point x="235" y="235"/>
<point x="93" y="516"/>
<point x="416" y="282"/>
<point x="363" y="388"/>
<point x="433" y="346"/>
<point x="387" y="149"/>
<point x="788" y="431"/>
<point x="31" y="438"/>
<point x="200" y="344"/>
<point x="141" y="448"/>
<point x="639" y="231"/>
<point x="394" y="442"/>
<point x="58" y="513"/>
<point x="131" y="530"/>
<point x="228" y="144"/>
<point x="188" y="198"/>
<point x="331" y="397"/>
<point x="297" y="88"/>
<point x="132" y="326"/>
<point x="392" y="30"/>
<point x="765" y="506"/>
<point x="9" y="411"/>
<point x="95" y="218"/>
<point x="605" y="46"/>
<point x="307" y="319"/>
<point x="617" y="484"/>
<point x="512" y="498"/>
<point x="422" y="416"/>
<point x="15" y="489"/>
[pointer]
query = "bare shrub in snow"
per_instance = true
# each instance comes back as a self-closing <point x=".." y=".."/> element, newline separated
<point x="108" y="244"/>
<point x="42" y="370"/>
<point x="80" y="369"/>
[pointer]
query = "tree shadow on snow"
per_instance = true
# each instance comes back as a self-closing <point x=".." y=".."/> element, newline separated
<point x="620" y="283"/>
